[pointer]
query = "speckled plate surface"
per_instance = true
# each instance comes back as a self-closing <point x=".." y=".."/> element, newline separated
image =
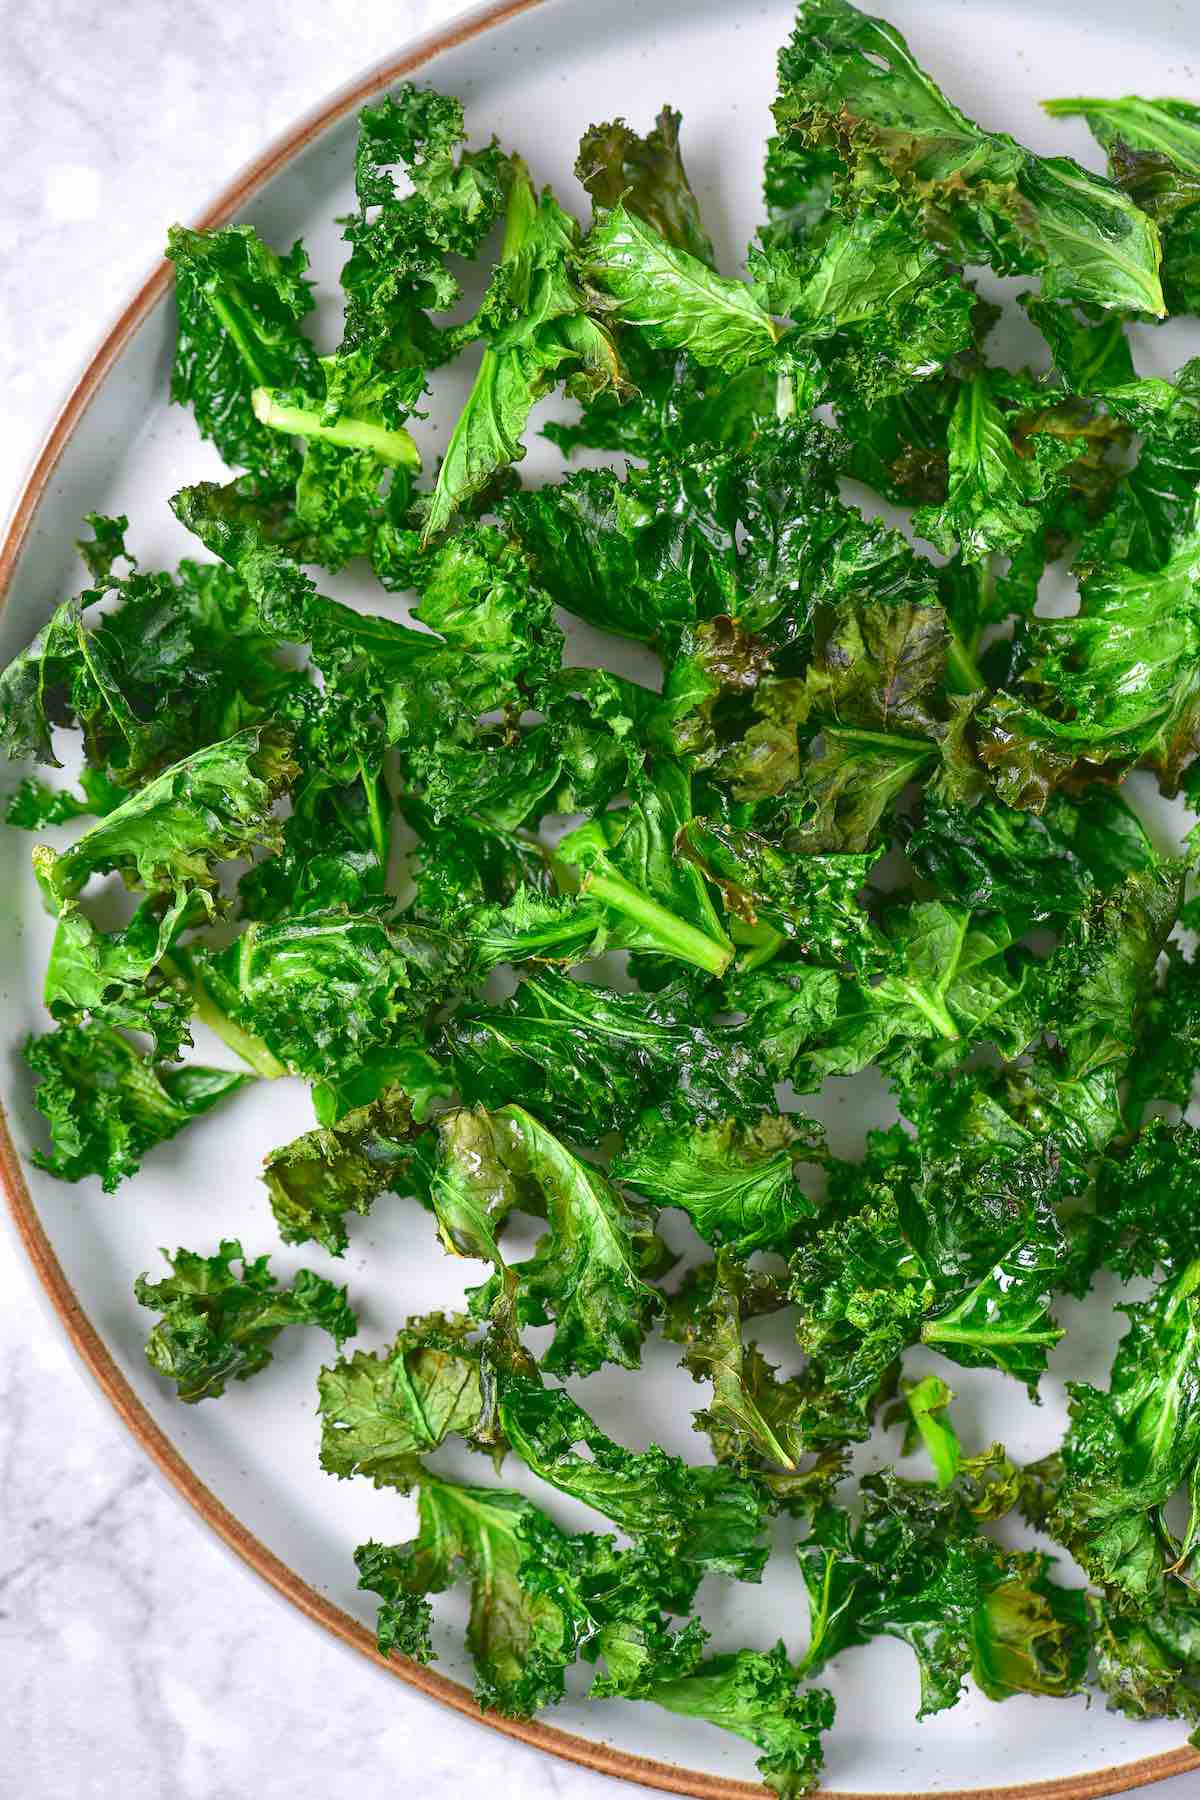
<point x="534" y="74"/>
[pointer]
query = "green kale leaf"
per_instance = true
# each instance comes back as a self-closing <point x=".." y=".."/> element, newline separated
<point x="707" y="1516"/>
<point x="587" y="1273"/>
<point x="381" y="1412"/>
<point x="588" y="1060"/>
<point x="319" y="1177"/>
<point x="218" y="1326"/>
<point x="736" y="1181"/>
<point x="517" y="1638"/>
<point x="107" y="1105"/>
<point x="849" y="83"/>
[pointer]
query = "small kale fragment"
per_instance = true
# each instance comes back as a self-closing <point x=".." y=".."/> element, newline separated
<point x="322" y="1175"/>
<point x="381" y="1412"/>
<point x="107" y="1104"/>
<point x="219" y="1326"/>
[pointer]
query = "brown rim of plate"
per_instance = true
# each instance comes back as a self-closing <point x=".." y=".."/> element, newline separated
<point x="603" y="1758"/>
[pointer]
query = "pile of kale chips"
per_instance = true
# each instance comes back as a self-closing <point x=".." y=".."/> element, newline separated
<point x="871" y="816"/>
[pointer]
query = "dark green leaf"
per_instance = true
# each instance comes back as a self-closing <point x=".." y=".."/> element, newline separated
<point x="218" y="1326"/>
<point x="107" y="1105"/>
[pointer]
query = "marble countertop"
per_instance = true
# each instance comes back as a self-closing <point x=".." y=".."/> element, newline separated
<point x="136" y="1656"/>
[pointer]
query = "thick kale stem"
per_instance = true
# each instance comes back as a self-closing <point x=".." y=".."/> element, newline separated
<point x="252" y="1050"/>
<point x="757" y="944"/>
<point x="390" y="444"/>
<point x="936" y="1333"/>
<point x="937" y="1014"/>
<point x="675" y="935"/>
<point x="233" y="323"/>
<point x="962" y="676"/>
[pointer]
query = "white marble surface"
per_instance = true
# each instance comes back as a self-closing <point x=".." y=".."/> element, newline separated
<point x="137" y="1658"/>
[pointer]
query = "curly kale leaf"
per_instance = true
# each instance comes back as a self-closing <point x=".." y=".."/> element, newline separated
<point x="107" y="1104"/>
<point x="773" y="896"/>
<point x="1046" y="865"/>
<point x="541" y="1598"/>
<point x="787" y="1006"/>
<point x="34" y="804"/>
<point x="588" y="1060"/>
<point x="736" y="1181"/>
<point x="319" y="1177"/>
<point x="401" y="234"/>
<point x="336" y="841"/>
<point x="674" y="401"/>
<point x="177" y="664"/>
<point x="1115" y="684"/>
<point x="491" y="636"/>
<point x="539" y="331"/>
<point x="1093" y="986"/>
<point x="840" y="745"/>
<point x="507" y="780"/>
<point x="1145" y="1217"/>
<point x="678" y="405"/>
<point x="121" y="977"/>
<point x="324" y="991"/>
<point x="915" y="1567"/>
<point x="168" y="837"/>
<point x="753" y="1693"/>
<point x="615" y="1602"/>
<point x="1146" y="1662"/>
<point x="1129" y="1449"/>
<point x="468" y="869"/>
<point x="537" y="927"/>
<point x="1093" y="359"/>
<point x="951" y="978"/>
<point x="1168" y="1042"/>
<point x="219" y="1326"/>
<point x="995" y="492"/>
<point x="673" y="298"/>
<point x="382" y="1411"/>
<point x="878" y="301"/>
<point x="752" y="1418"/>
<point x="239" y="305"/>
<point x="1154" y="156"/>
<point x="708" y="1516"/>
<point x="759" y="536"/>
<point x="518" y="1638"/>
<point x="850" y="84"/>
<point x="647" y="175"/>
<point x="587" y="1273"/>
<point x="950" y="1241"/>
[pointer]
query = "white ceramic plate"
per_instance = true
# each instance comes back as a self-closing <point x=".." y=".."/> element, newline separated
<point x="534" y="75"/>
